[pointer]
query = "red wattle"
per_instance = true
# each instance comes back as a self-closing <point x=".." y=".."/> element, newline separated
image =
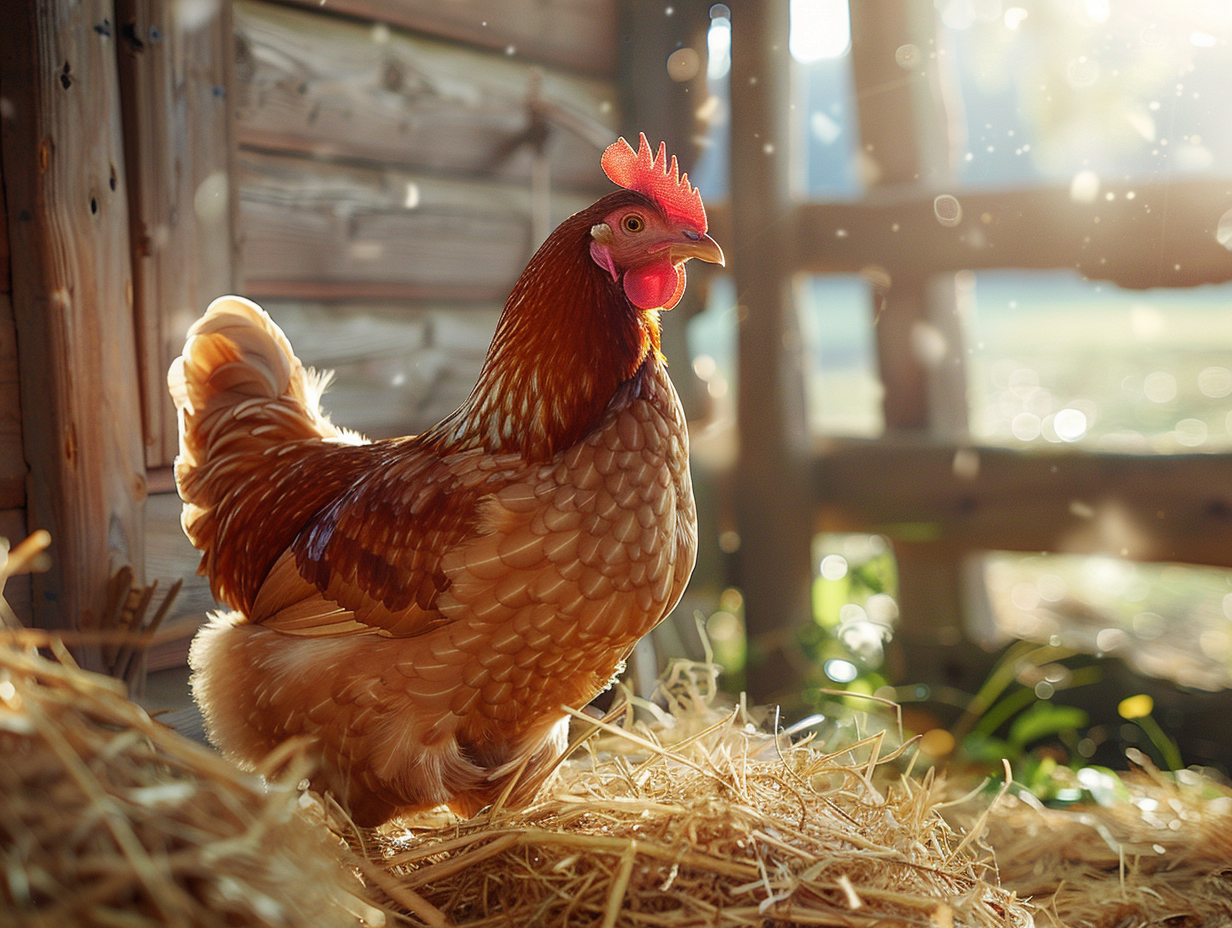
<point x="655" y="286"/>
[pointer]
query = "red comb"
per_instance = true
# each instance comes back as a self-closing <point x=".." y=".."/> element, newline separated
<point x="651" y="176"/>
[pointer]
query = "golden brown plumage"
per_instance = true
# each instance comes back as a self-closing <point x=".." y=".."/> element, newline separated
<point x="421" y="608"/>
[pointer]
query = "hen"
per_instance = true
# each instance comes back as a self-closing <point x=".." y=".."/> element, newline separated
<point x="421" y="609"/>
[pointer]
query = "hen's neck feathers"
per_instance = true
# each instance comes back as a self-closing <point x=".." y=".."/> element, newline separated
<point x="567" y="338"/>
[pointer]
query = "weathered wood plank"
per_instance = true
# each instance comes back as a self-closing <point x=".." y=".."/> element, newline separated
<point x="1144" y="507"/>
<point x="310" y="222"/>
<point x="319" y="84"/>
<point x="576" y="33"/>
<point x="178" y="151"/>
<point x="397" y="370"/>
<point x="775" y="528"/>
<point x="72" y="299"/>
<point x="12" y="454"/>
<point x="17" y="590"/>
<point x="898" y="232"/>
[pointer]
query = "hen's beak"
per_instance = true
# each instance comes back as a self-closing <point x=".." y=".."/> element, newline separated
<point x="705" y="248"/>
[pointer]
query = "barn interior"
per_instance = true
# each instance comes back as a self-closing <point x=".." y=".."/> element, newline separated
<point x="958" y="402"/>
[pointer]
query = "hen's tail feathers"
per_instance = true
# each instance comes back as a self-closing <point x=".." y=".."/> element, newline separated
<point x="240" y="393"/>
<point x="238" y="366"/>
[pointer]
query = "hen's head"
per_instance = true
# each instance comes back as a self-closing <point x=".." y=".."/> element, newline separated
<point x="644" y="243"/>
<point x="583" y="318"/>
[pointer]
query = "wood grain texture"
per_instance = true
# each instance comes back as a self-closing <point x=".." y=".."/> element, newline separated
<point x="308" y="222"/>
<point x="580" y="34"/>
<point x="174" y="80"/>
<point x="12" y="454"/>
<point x="1144" y="507"/>
<point x="72" y="296"/>
<point x="315" y="83"/>
<point x="398" y="370"/>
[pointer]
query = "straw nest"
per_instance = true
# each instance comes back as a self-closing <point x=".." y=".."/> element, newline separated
<point x="694" y="816"/>
<point x="1159" y="852"/>
<point x="109" y="818"/>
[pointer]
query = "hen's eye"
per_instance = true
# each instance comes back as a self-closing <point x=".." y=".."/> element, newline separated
<point x="633" y="223"/>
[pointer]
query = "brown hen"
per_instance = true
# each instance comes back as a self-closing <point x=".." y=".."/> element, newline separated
<point x="421" y="609"/>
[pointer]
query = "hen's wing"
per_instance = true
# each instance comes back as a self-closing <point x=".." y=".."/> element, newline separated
<point x="369" y="561"/>
<point x="514" y="555"/>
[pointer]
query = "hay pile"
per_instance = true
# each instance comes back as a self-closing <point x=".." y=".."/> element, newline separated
<point x="1159" y="852"/>
<point x="696" y="818"/>
<point x="108" y="818"/>
<point x="678" y="814"/>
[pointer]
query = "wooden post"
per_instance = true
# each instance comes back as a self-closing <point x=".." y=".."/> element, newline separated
<point x="904" y="129"/>
<point x="176" y="88"/>
<point x="908" y="137"/>
<point x="773" y="499"/>
<point x="72" y="298"/>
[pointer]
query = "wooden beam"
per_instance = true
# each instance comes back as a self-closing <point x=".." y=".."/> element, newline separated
<point x="775" y="557"/>
<point x="956" y="499"/>
<point x="890" y="100"/>
<point x="1162" y="236"/>
<point x="320" y="84"/>
<point x="72" y="298"/>
<point x="578" y="34"/>
<point x="174" y="80"/>
<point x="1147" y="235"/>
